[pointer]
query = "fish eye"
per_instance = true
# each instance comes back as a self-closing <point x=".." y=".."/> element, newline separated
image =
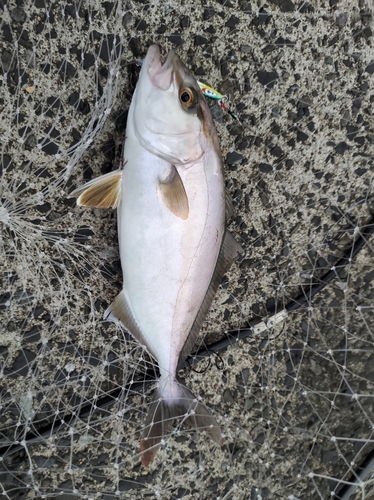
<point x="187" y="98"/>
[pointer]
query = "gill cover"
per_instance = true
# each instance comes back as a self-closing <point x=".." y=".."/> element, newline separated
<point x="167" y="115"/>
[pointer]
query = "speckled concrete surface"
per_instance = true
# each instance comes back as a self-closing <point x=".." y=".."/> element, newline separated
<point x="295" y="402"/>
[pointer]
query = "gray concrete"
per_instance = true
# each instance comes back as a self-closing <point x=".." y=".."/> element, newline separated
<point x="296" y="401"/>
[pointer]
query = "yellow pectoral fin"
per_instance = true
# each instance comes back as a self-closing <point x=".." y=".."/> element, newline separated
<point x="174" y="195"/>
<point x="103" y="192"/>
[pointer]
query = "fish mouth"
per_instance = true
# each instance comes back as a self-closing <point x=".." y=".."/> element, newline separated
<point x="161" y="75"/>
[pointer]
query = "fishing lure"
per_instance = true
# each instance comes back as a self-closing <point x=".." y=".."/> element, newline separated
<point x="214" y="94"/>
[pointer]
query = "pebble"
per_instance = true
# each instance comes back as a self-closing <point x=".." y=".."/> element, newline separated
<point x="342" y="147"/>
<point x="370" y="68"/>
<point x="267" y="78"/>
<point x="233" y="158"/>
<point x="176" y="39"/>
<point x="209" y="13"/>
<point x="232" y="22"/>
<point x="66" y="70"/>
<point x="341" y="19"/>
<point x="18" y="15"/>
<point x="32" y="335"/>
<point x="22" y="363"/>
<point x="262" y="18"/>
<point x="265" y="168"/>
<point x="200" y="40"/>
<point x="7" y="61"/>
<point x="185" y="22"/>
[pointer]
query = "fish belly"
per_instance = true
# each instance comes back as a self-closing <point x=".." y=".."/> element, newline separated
<point x="167" y="262"/>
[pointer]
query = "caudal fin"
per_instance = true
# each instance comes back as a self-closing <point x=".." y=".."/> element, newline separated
<point x="163" y="411"/>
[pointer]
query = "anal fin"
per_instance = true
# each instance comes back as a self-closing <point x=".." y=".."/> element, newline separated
<point x="103" y="192"/>
<point x="120" y="311"/>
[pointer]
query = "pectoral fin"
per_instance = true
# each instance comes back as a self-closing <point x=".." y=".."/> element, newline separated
<point x="173" y="194"/>
<point x="103" y="192"/>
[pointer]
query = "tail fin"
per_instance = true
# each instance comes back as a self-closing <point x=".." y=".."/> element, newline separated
<point x="163" y="411"/>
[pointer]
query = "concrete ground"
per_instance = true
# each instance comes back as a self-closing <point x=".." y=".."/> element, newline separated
<point x="295" y="400"/>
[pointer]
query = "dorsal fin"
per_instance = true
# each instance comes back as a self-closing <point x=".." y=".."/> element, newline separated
<point x="230" y="250"/>
<point x="119" y="310"/>
<point x="173" y="194"/>
<point x="103" y="192"/>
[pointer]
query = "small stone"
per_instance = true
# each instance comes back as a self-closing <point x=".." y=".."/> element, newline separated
<point x="66" y="70"/>
<point x="233" y="158"/>
<point x="134" y="46"/>
<point x="265" y="168"/>
<point x="246" y="7"/>
<point x="22" y="363"/>
<point x="370" y="68"/>
<point x="262" y="18"/>
<point x="48" y="146"/>
<point x="141" y="25"/>
<point x="72" y="11"/>
<point x="277" y="152"/>
<point x="176" y="39"/>
<point x="108" y="6"/>
<point x="345" y="119"/>
<point x="232" y="22"/>
<point x="224" y="67"/>
<point x="342" y="147"/>
<point x="302" y="136"/>
<point x="184" y="22"/>
<point x="200" y="40"/>
<point x="369" y="277"/>
<point x="88" y="60"/>
<point x="267" y="78"/>
<point x="245" y="48"/>
<point x="110" y="49"/>
<point x="32" y="335"/>
<point x="227" y="397"/>
<point x="304" y="102"/>
<point x="360" y="171"/>
<point x="284" y="5"/>
<point x="79" y="104"/>
<point x="211" y="29"/>
<point x="208" y="13"/>
<point x="341" y="19"/>
<point x="284" y="42"/>
<point x="18" y="15"/>
<point x="7" y="61"/>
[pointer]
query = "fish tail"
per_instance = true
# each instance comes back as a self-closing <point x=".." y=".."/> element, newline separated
<point x="167" y="405"/>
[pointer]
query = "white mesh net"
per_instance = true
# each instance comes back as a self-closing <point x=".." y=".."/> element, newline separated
<point x="294" y="397"/>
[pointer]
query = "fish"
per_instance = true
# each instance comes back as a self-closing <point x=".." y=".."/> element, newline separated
<point x="174" y="246"/>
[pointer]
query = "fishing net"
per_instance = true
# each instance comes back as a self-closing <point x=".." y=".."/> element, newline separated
<point x="285" y="359"/>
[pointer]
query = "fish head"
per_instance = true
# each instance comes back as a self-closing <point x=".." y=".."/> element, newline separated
<point x="170" y="116"/>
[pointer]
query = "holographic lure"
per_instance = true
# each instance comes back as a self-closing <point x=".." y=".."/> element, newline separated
<point x="214" y="94"/>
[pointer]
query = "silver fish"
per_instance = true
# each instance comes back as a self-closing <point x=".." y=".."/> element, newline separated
<point x="174" y="246"/>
